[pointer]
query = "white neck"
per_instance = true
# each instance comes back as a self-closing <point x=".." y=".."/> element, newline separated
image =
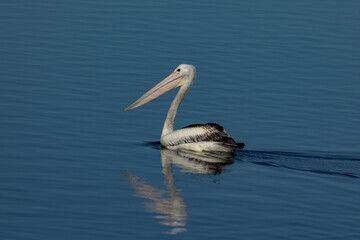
<point x="170" y="118"/>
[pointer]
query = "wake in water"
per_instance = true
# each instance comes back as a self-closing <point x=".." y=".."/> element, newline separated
<point x="331" y="164"/>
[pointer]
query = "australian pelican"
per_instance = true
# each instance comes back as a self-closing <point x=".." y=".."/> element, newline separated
<point x="197" y="137"/>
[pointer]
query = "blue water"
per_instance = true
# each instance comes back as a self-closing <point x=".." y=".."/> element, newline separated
<point x="283" y="77"/>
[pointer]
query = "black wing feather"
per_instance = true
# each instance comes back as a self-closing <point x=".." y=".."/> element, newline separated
<point x="214" y="133"/>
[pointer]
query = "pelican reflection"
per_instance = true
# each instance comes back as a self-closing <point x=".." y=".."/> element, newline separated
<point x="168" y="203"/>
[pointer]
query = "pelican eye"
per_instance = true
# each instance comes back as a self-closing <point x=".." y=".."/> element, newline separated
<point x="178" y="70"/>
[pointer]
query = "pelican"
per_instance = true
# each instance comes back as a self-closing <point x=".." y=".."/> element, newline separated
<point x="196" y="137"/>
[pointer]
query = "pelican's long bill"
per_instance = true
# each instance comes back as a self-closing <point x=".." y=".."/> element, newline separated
<point x="174" y="80"/>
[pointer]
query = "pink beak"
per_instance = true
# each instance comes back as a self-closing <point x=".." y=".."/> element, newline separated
<point x="169" y="83"/>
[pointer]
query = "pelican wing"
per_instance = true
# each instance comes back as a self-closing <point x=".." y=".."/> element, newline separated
<point x="209" y="132"/>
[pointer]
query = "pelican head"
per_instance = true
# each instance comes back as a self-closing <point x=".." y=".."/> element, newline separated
<point x="183" y="75"/>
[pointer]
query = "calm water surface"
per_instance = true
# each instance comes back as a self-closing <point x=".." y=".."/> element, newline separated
<point x="282" y="77"/>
